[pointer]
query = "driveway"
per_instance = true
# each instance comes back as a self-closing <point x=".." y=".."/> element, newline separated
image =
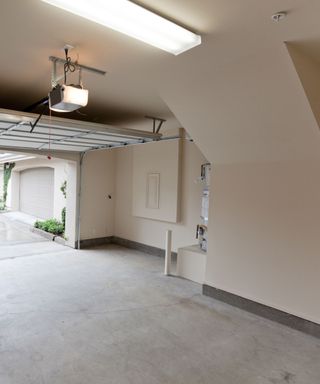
<point x="17" y="240"/>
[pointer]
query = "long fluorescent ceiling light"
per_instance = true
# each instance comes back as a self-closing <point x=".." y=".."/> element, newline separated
<point x="133" y="20"/>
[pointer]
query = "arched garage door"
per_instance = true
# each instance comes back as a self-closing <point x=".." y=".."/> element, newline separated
<point x="36" y="192"/>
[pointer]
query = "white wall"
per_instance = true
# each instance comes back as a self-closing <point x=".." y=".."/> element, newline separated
<point x="1" y="183"/>
<point x="264" y="234"/>
<point x="71" y="230"/>
<point x="60" y="175"/>
<point x="97" y="210"/>
<point x="161" y="159"/>
<point x="152" y="232"/>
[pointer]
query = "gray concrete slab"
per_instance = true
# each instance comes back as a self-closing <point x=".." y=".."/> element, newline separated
<point x="109" y="316"/>
<point x="21" y="217"/>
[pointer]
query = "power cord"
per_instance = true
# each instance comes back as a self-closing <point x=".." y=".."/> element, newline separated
<point x="68" y="65"/>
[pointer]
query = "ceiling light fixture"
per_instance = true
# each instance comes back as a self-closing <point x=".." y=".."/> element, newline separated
<point x="133" y="20"/>
<point x="67" y="98"/>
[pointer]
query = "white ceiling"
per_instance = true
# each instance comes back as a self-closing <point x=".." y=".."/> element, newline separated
<point x="237" y="94"/>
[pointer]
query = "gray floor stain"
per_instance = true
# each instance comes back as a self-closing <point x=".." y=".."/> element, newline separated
<point x="286" y="378"/>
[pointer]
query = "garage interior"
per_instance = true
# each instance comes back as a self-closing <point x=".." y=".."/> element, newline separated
<point x="190" y="251"/>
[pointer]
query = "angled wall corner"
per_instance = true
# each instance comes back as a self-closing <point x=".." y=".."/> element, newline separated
<point x="308" y="70"/>
<point x="156" y="179"/>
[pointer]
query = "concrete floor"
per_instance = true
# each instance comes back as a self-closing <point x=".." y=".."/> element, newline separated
<point x="109" y="316"/>
<point x="14" y="231"/>
<point x="21" y="217"/>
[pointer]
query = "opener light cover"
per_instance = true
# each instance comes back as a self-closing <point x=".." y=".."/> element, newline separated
<point x="133" y="20"/>
<point x="67" y="98"/>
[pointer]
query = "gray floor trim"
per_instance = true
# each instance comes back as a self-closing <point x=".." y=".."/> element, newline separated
<point x="265" y="311"/>
<point x="125" y="243"/>
<point x="140" y="247"/>
<point x="95" y="242"/>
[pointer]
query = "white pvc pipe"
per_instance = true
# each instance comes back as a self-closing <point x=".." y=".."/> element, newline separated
<point x="167" y="262"/>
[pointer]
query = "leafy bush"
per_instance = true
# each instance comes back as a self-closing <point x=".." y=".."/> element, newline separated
<point x="52" y="226"/>
<point x="7" y="169"/>
<point x="63" y="189"/>
<point x="63" y="217"/>
<point x="2" y="205"/>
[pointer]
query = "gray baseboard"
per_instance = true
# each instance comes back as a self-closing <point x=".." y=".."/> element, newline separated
<point x="124" y="243"/>
<point x="262" y="310"/>
<point x="140" y="247"/>
<point x="95" y="242"/>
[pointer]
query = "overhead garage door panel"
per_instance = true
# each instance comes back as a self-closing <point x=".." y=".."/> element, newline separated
<point x="36" y="192"/>
<point x="63" y="134"/>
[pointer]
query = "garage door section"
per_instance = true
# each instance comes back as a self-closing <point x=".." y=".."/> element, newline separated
<point x="18" y="130"/>
<point x="36" y="192"/>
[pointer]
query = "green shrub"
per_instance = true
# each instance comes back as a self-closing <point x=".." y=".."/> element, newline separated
<point x="63" y="189"/>
<point x="7" y="169"/>
<point x="52" y="226"/>
<point x="63" y="217"/>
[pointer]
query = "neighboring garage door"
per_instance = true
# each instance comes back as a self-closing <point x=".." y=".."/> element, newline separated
<point x="36" y="192"/>
<point x="1" y="184"/>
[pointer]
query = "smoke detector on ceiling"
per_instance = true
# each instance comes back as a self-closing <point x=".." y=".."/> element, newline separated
<point x="278" y="16"/>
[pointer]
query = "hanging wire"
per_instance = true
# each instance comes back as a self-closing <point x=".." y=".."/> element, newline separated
<point x="68" y="66"/>
<point x="50" y="121"/>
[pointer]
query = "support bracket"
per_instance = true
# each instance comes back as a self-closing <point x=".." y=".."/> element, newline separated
<point x="55" y="78"/>
<point x="33" y="125"/>
<point x="155" y="120"/>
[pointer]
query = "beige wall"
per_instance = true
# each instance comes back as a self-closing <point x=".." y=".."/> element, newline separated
<point x="264" y="234"/>
<point x="152" y="232"/>
<point x="97" y="210"/>
<point x="264" y="225"/>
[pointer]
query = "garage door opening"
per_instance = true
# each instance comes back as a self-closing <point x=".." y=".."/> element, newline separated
<point x="37" y="196"/>
<point x="67" y="140"/>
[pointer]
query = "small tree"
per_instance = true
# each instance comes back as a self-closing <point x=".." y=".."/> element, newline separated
<point x="63" y="189"/>
<point x="7" y="170"/>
